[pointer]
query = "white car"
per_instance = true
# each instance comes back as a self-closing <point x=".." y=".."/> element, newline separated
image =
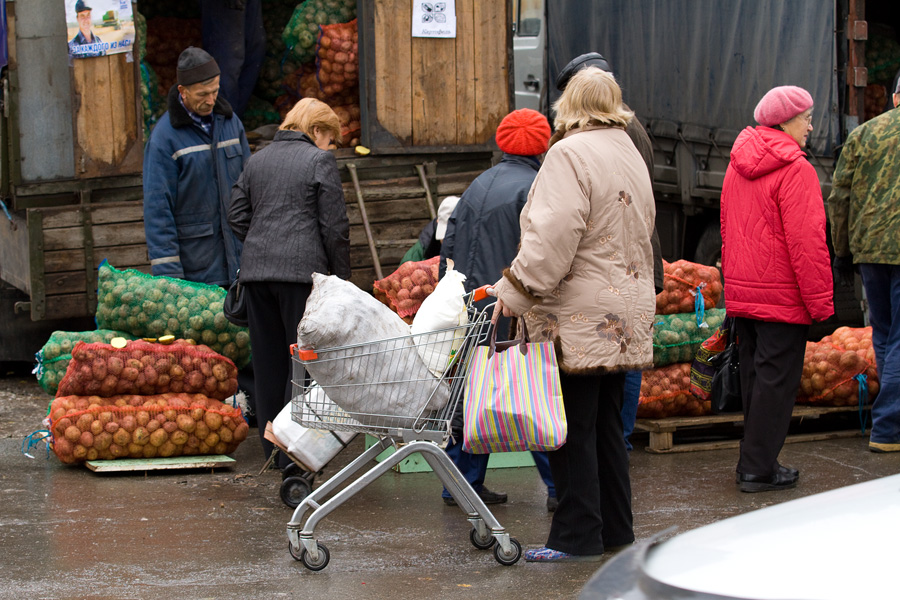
<point x="843" y="544"/>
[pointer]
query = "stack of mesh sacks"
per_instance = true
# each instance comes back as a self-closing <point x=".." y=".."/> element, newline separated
<point x="143" y="399"/>
<point x="685" y="317"/>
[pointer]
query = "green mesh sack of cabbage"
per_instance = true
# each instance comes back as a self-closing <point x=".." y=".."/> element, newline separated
<point x="52" y="360"/>
<point x="302" y="31"/>
<point x="151" y="307"/>
<point x="676" y="338"/>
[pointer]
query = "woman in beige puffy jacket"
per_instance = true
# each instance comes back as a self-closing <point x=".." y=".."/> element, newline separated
<point x="583" y="279"/>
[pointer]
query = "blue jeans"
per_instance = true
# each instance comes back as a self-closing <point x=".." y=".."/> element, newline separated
<point x="236" y="38"/>
<point x="474" y="467"/>
<point x="882" y="283"/>
<point x="630" y="403"/>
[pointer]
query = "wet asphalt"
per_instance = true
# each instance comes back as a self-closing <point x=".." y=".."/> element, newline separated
<point x="68" y="532"/>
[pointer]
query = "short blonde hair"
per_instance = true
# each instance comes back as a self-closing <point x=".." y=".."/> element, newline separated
<point x="310" y="113"/>
<point x="592" y="97"/>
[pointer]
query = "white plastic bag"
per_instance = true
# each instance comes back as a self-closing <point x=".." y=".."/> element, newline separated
<point x="313" y="448"/>
<point x="443" y="309"/>
<point x="383" y="382"/>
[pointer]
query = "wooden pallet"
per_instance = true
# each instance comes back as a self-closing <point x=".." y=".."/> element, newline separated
<point x="159" y="464"/>
<point x="662" y="440"/>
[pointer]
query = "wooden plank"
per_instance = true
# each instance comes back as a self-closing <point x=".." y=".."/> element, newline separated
<point x="433" y="92"/>
<point x="120" y="257"/>
<point x="662" y="431"/>
<point x="491" y="68"/>
<point x="70" y="216"/>
<point x="465" y="72"/>
<point x="104" y="236"/>
<point x="729" y="444"/>
<point x="393" y="89"/>
<point x="391" y="211"/>
<point x="385" y="231"/>
<point x="159" y="464"/>
<point x="93" y="127"/>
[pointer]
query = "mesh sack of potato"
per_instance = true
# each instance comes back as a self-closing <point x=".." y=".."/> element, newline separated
<point x="148" y="368"/>
<point x="337" y="57"/>
<point x="685" y="283"/>
<point x="130" y="426"/>
<point x="677" y="337"/>
<point x="145" y="306"/>
<point x="666" y="392"/>
<point x="302" y="29"/>
<point x="404" y="290"/>
<point x="52" y="360"/>
<point x="840" y="369"/>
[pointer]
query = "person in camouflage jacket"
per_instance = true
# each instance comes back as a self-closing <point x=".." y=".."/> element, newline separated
<point x="864" y="209"/>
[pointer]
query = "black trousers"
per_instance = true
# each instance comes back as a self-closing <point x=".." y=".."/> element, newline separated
<point x="273" y="311"/>
<point x="591" y="470"/>
<point x="771" y="356"/>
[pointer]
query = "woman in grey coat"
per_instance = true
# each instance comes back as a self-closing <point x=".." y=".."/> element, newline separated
<point x="288" y="208"/>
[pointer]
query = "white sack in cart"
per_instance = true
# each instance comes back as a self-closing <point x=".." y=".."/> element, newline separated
<point x="443" y="309"/>
<point x="313" y="448"/>
<point x="393" y="384"/>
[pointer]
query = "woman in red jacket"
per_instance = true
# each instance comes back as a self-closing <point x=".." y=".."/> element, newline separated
<point x="777" y="274"/>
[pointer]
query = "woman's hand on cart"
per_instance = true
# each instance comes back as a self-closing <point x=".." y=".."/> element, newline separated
<point x="499" y="307"/>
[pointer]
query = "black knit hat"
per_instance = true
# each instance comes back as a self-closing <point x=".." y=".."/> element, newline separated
<point x="591" y="59"/>
<point x="196" y="65"/>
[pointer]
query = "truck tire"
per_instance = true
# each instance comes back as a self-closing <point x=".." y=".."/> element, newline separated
<point x="709" y="248"/>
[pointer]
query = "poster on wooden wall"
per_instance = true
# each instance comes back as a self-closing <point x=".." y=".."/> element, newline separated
<point x="434" y="19"/>
<point x="99" y="27"/>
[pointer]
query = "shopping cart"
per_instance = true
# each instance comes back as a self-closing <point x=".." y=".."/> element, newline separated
<point x="425" y="432"/>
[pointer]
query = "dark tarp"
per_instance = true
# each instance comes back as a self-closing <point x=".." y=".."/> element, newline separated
<point x="705" y="62"/>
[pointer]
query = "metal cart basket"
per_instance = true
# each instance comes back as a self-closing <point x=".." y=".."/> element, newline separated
<point x="425" y="431"/>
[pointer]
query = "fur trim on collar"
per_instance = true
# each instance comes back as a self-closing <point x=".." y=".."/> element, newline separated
<point x="179" y="117"/>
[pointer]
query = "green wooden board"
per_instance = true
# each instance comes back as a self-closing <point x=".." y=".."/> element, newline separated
<point x="157" y="464"/>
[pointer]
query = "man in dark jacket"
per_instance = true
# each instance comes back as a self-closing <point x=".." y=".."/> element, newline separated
<point x="194" y="156"/>
<point x="85" y="44"/>
<point x="641" y="141"/>
<point x="482" y="238"/>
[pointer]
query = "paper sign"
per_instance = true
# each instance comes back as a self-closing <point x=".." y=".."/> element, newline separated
<point x="99" y="27"/>
<point x="434" y="19"/>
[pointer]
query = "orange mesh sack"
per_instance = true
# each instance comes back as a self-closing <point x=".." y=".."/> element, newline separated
<point x="90" y="427"/>
<point x="404" y="290"/>
<point x="148" y="368"/>
<point x="840" y="369"/>
<point x="683" y="281"/>
<point x="337" y="57"/>
<point x="666" y="392"/>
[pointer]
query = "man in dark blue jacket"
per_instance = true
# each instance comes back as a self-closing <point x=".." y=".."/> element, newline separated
<point x="482" y="239"/>
<point x="194" y="156"/>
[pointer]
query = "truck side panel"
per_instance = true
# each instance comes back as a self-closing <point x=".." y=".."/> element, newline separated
<point x="43" y="98"/>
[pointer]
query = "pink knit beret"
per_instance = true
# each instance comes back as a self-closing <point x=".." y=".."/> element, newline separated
<point x="781" y="104"/>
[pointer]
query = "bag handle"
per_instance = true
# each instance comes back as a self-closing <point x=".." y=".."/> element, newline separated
<point x="522" y="340"/>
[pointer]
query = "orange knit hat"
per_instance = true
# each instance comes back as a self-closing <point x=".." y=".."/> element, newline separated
<point x="524" y="132"/>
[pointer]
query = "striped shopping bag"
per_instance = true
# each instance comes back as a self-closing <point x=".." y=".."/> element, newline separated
<point x="512" y="398"/>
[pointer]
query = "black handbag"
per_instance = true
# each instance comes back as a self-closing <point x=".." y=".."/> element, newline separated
<point x="725" y="395"/>
<point x="235" y="304"/>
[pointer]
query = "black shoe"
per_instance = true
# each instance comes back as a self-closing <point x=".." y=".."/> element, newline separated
<point x="552" y="503"/>
<point x="766" y="483"/>
<point x="786" y="471"/>
<point x="486" y="495"/>
<point x="789" y="471"/>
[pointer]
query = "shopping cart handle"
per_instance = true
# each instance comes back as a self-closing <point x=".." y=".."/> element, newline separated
<point x="480" y="293"/>
<point x="304" y="353"/>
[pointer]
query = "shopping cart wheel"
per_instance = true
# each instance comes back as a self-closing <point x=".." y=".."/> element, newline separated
<point x="482" y="542"/>
<point x="306" y="559"/>
<point x="292" y="470"/>
<point x="510" y="558"/>
<point x="294" y="490"/>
